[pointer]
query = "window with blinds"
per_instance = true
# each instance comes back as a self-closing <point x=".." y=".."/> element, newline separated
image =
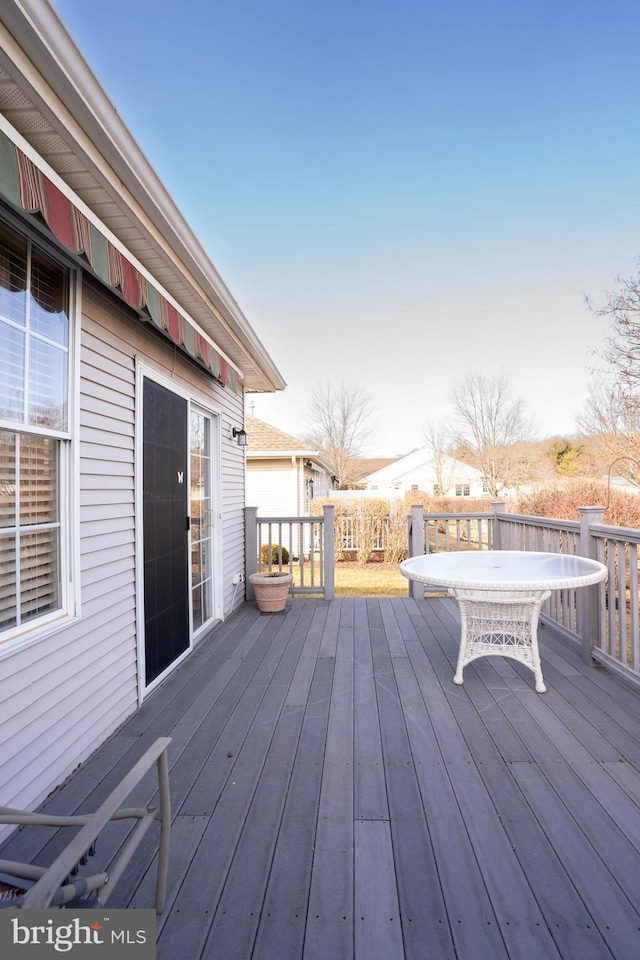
<point x="34" y="346"/>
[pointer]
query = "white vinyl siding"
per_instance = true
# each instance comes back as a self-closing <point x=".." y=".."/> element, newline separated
<point x="272" y="487"/>
<point x="232" y="469"/>
<point x="62" y="695"/>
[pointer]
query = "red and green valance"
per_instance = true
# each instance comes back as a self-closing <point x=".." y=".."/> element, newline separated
<point x="24" y="185"/>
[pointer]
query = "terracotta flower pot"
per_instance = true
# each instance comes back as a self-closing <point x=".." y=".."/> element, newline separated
<point x="271" y="590"/>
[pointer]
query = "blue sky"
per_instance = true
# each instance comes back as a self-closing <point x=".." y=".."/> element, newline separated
<point x="395" y="192"/>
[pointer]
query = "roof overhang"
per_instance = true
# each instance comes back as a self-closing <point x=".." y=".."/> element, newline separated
<point x="51" y="97"/>
<point x="313" y="455"/>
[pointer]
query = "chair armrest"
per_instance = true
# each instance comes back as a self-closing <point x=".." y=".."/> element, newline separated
<point x="41" y="893"/>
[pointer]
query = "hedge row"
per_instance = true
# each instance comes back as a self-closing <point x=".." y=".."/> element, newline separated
<point x="560" y="501"/>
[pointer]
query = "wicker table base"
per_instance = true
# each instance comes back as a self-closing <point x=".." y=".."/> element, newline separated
<point x="497" y="624"/>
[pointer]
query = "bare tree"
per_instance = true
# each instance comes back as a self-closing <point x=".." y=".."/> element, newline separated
<point x="611" y="418"/>
<point x="438" y="440"/>
<point x="622" y="350"/>
<point x="492" y="424"/>
<point x="340" y="424"/>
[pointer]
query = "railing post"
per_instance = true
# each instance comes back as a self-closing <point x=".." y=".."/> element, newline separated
<point x="329" y="551"/>
<point x="250" y="548"/>
<point x="588" y="597"/>
<point x="498" y="507"/>
<point x="416" y="546"/>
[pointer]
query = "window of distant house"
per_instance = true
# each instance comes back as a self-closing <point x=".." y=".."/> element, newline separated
<point x="463" y="490"/>
<point x="35" y="300"/>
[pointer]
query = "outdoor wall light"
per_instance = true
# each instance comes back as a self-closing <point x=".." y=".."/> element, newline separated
<point x="241" y="436"/>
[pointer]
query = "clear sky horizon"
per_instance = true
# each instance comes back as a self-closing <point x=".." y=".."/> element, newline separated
<point x="395" y="192"/>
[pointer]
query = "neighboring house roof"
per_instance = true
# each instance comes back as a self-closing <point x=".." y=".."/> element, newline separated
<point x="363" y="467"/>
<point x="65" y="117"/>
<point x="266" y="440"/>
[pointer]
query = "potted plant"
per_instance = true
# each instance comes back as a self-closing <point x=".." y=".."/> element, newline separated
<point x="271" y="589"/>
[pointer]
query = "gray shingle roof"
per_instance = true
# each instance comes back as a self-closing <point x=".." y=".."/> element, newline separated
<point x="262" y="437"/>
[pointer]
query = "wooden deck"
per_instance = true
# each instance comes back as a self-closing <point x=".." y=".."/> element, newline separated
<point x="336" y="796"/>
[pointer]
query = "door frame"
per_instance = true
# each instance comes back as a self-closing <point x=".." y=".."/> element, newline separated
<point x="217" y="579"/>
<point x="144" y="371"/>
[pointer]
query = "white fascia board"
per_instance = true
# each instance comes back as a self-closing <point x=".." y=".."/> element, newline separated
<point x="287" y="455"/>
<point x="96" y="126"/>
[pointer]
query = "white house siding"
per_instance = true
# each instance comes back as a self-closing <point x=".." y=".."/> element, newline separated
<point x="418" y="470"/>
<point x="272" y="487"/>
<point x="233" y="493"/>
<point x="62" y="695"/>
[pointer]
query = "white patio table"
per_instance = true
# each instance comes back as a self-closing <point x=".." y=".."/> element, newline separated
<point x="500" y="594"/>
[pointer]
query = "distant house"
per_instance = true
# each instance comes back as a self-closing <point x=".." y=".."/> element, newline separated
<point x="124" y="366"/>
<point x="362" y="467"/>
<point x="420" y="470"/>
<point x="283" y="473"/>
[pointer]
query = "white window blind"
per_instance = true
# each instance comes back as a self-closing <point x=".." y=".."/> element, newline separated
<point x="34" y="346"/>
<point x="30" y="528"/>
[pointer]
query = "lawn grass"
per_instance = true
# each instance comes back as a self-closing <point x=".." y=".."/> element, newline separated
<point x="370" y="580"/>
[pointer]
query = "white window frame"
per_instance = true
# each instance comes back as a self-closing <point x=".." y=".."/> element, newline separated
<point x="34" y="630"/>
<point x="215" y="491"/>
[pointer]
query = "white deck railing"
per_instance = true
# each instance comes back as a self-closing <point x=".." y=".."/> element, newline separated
<point x="302" y="546"/>
<point x="604" y="618"/>
<point x="618" y="617"/>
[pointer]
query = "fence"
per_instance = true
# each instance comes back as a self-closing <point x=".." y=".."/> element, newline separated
<point x="618" y="643"/>
<point x="603" y="618"/>
<point x="445" y="532"/>
<point x="302" y="546"/>
<point x="347" y="534"/>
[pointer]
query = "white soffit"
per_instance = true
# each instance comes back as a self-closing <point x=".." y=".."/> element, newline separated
<point x="35" y="105"/>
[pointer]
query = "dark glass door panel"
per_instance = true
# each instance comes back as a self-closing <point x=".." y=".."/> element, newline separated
<point x="165" y="510"/>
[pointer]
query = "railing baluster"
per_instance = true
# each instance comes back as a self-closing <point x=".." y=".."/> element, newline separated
<point x="621" y="605"/>
<point x="633" y="606"/>
<point x="611" y="593"/>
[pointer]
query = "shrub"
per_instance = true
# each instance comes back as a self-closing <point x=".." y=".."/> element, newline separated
<point x="562" y="501"/>
<point x="396" y="539"/>
<point x="366" y="519"/>
<point x="458" y="505"/>
<point x="360" y="524"/>
<point x="273" y="555"/>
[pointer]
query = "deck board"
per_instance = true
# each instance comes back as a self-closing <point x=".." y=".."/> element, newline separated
<point x="378" y="930"/>
<point x="336" y="795"/>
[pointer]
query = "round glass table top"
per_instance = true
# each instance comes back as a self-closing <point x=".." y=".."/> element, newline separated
<point x="504" y="570"/>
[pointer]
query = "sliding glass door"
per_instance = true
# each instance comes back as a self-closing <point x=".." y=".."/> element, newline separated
<point x="202" y="516"/>
<point x="178" y="525"/>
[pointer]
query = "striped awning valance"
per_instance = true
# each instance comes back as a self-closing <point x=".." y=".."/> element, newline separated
<point x="25" y="186"/>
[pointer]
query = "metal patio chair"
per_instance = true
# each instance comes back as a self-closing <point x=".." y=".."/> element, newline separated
<point x="62" y="883"/>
